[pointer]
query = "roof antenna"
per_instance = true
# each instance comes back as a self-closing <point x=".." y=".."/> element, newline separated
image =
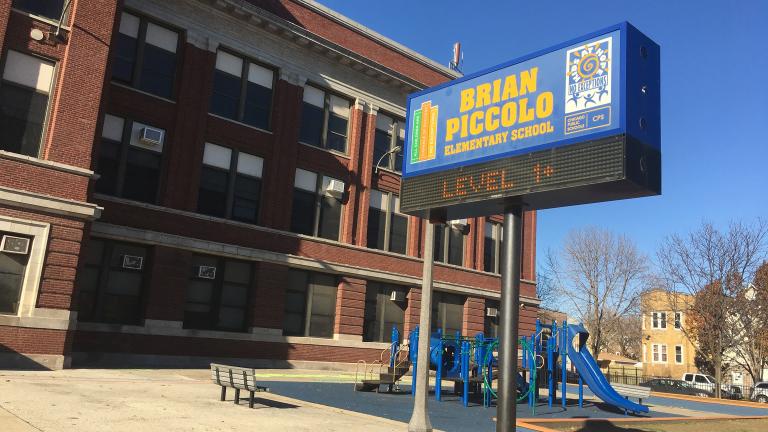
<point x="458" y="58"/>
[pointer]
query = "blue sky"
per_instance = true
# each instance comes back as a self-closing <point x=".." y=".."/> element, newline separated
<point x="714" y="94"/>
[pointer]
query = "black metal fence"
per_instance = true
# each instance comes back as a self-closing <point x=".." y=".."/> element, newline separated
<point x="667" y="384"/>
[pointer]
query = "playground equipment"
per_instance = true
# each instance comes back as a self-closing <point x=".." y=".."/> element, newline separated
<point x="374" y="375"/>
<point x="472" y="365"/>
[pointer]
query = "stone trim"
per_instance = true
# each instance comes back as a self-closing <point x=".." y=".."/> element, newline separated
<point x="56" y="166"/>
<point x="49" y="204"/>
<point x="175" y="328"/>
<point x="40" y="232"/>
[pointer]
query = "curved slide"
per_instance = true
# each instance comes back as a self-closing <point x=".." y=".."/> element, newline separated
<point x="591" y="374"/>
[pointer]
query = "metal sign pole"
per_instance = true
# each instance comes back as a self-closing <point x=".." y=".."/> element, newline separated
<point x="510" y="310"/>
<point x="420" y="417"/>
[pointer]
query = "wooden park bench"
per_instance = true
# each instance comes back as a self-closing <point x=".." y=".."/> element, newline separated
<point x="628" y="391"/>
<point x="236" y="377"/>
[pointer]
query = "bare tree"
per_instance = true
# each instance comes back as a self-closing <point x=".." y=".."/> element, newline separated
<point x="751" y="325"/>
<point x="711" y="267"/>
<point x="625" y="337"/>
<point x="546" y="290"/>
<point x="601" y="274"/>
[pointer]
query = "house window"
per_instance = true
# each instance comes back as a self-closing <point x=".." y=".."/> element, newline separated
<point x="447" y="312"/>
<point x="659" y="353"/>
<point x="679" y="354"/>
<point x="242" y="90"/>
<point x="384" y="309"/>
<point x="217" y="294"/>
<point x="111" y="282"/>
<point x="310" y="305"/>
<point x="324" y="120"/>
<point x="492" y="247"/>
<point x="316" y="208"/>
<point x="45" y="8"/>
<point x="387" y="227"/>
<point x="491" y="323"/>
<point x="230" y="184"/>
<point x="24" y="92"/>
<point x="678" y="320"/>
<point x="449" y="242"/>
<point x="129" y="159"/>
<point x="659" y="320"/>
<point x="388" y="141"/>
<point x="13" y="265"/>
<point x="145" y="55"/>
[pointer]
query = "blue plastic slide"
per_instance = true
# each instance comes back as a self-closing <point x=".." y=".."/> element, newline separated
<point x="590" y="372"/>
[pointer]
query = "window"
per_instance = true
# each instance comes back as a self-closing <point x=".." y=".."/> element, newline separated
<point x="447" y="312"/>
<point x="111" y="282"/>
<point x="382" y="312"/>
<point x="24" y="90"/>
<point x="387" y="227"/>
<point x="45" y="8"/>
<point x="129" y="161"/>
<point x="145" y="55"/>
<point x="310" y="305"/>
<point x="230" y="184"/>
<point x="389" y="135"/>
<point x="12" y="269"/>
<point x="659" y="320"/>
<point x="324" y="120"/>
<point x="316" y="211"/>
<point x="678" y="320"/>
<point x="491" y="323"/>
<point x="492" y="247"/>
<point x="217" y="294"/>
<point x="659" y="353"/>
<point x="679" y="354"/>
<point x="242" y="90"/>
<point x="449" y="242"/>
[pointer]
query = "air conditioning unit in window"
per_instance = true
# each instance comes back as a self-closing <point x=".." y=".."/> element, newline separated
<point x="335" y="188"/>
<point x="397" y="296"/>
<point x="151" y="137"/>
<point x="491" y="312"/>
<point x="206" y="272"/>
<point x="133" y="262"/>
<point x="459" y="224"/>
<point x="14" y="245"/>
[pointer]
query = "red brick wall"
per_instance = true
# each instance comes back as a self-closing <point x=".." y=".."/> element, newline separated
<point x="5" y="12"/>
<point x="352" y="40"/>
<point x="474" y="316"/>
<point x="268" y="300"/>
<point x="33" y="341"/>
<point x="167" y="282"/>
<point x="412" y="311"/>
<point x="350" y="306"/>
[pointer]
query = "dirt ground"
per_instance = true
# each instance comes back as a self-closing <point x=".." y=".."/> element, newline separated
<point x="729" y="425"/>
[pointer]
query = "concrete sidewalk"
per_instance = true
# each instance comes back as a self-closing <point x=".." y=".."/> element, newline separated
<point x="158" y="400"/>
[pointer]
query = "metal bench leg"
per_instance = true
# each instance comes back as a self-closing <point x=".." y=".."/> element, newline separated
<point x="223" y="393"/>
<point x="237" y="396"/>
<point x="250" y="402"/>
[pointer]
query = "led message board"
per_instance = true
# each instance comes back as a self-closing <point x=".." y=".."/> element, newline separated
<point x="573" y="124"/>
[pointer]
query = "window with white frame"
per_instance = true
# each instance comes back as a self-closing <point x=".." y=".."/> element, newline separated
<point x="230" y="184"/>
<point x="659" y="353"/>
<point x="449" y="242"/>
<point x="678" y="320"/>
<point x="679" y="354"/>
<point x="242" y="90"/>
<point x="388" y="142"/>
<point x="492" y="247"/>
<point x="659" y="320"/>
<point x="145" y="55"/>
<point x="387" y="227"/>
<point x="25" y="88"/>
<point x="129" y="159"/>
<point x="324" y="120"/>
<point x="14" y="257"/>
<point x="317" y="205"/>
